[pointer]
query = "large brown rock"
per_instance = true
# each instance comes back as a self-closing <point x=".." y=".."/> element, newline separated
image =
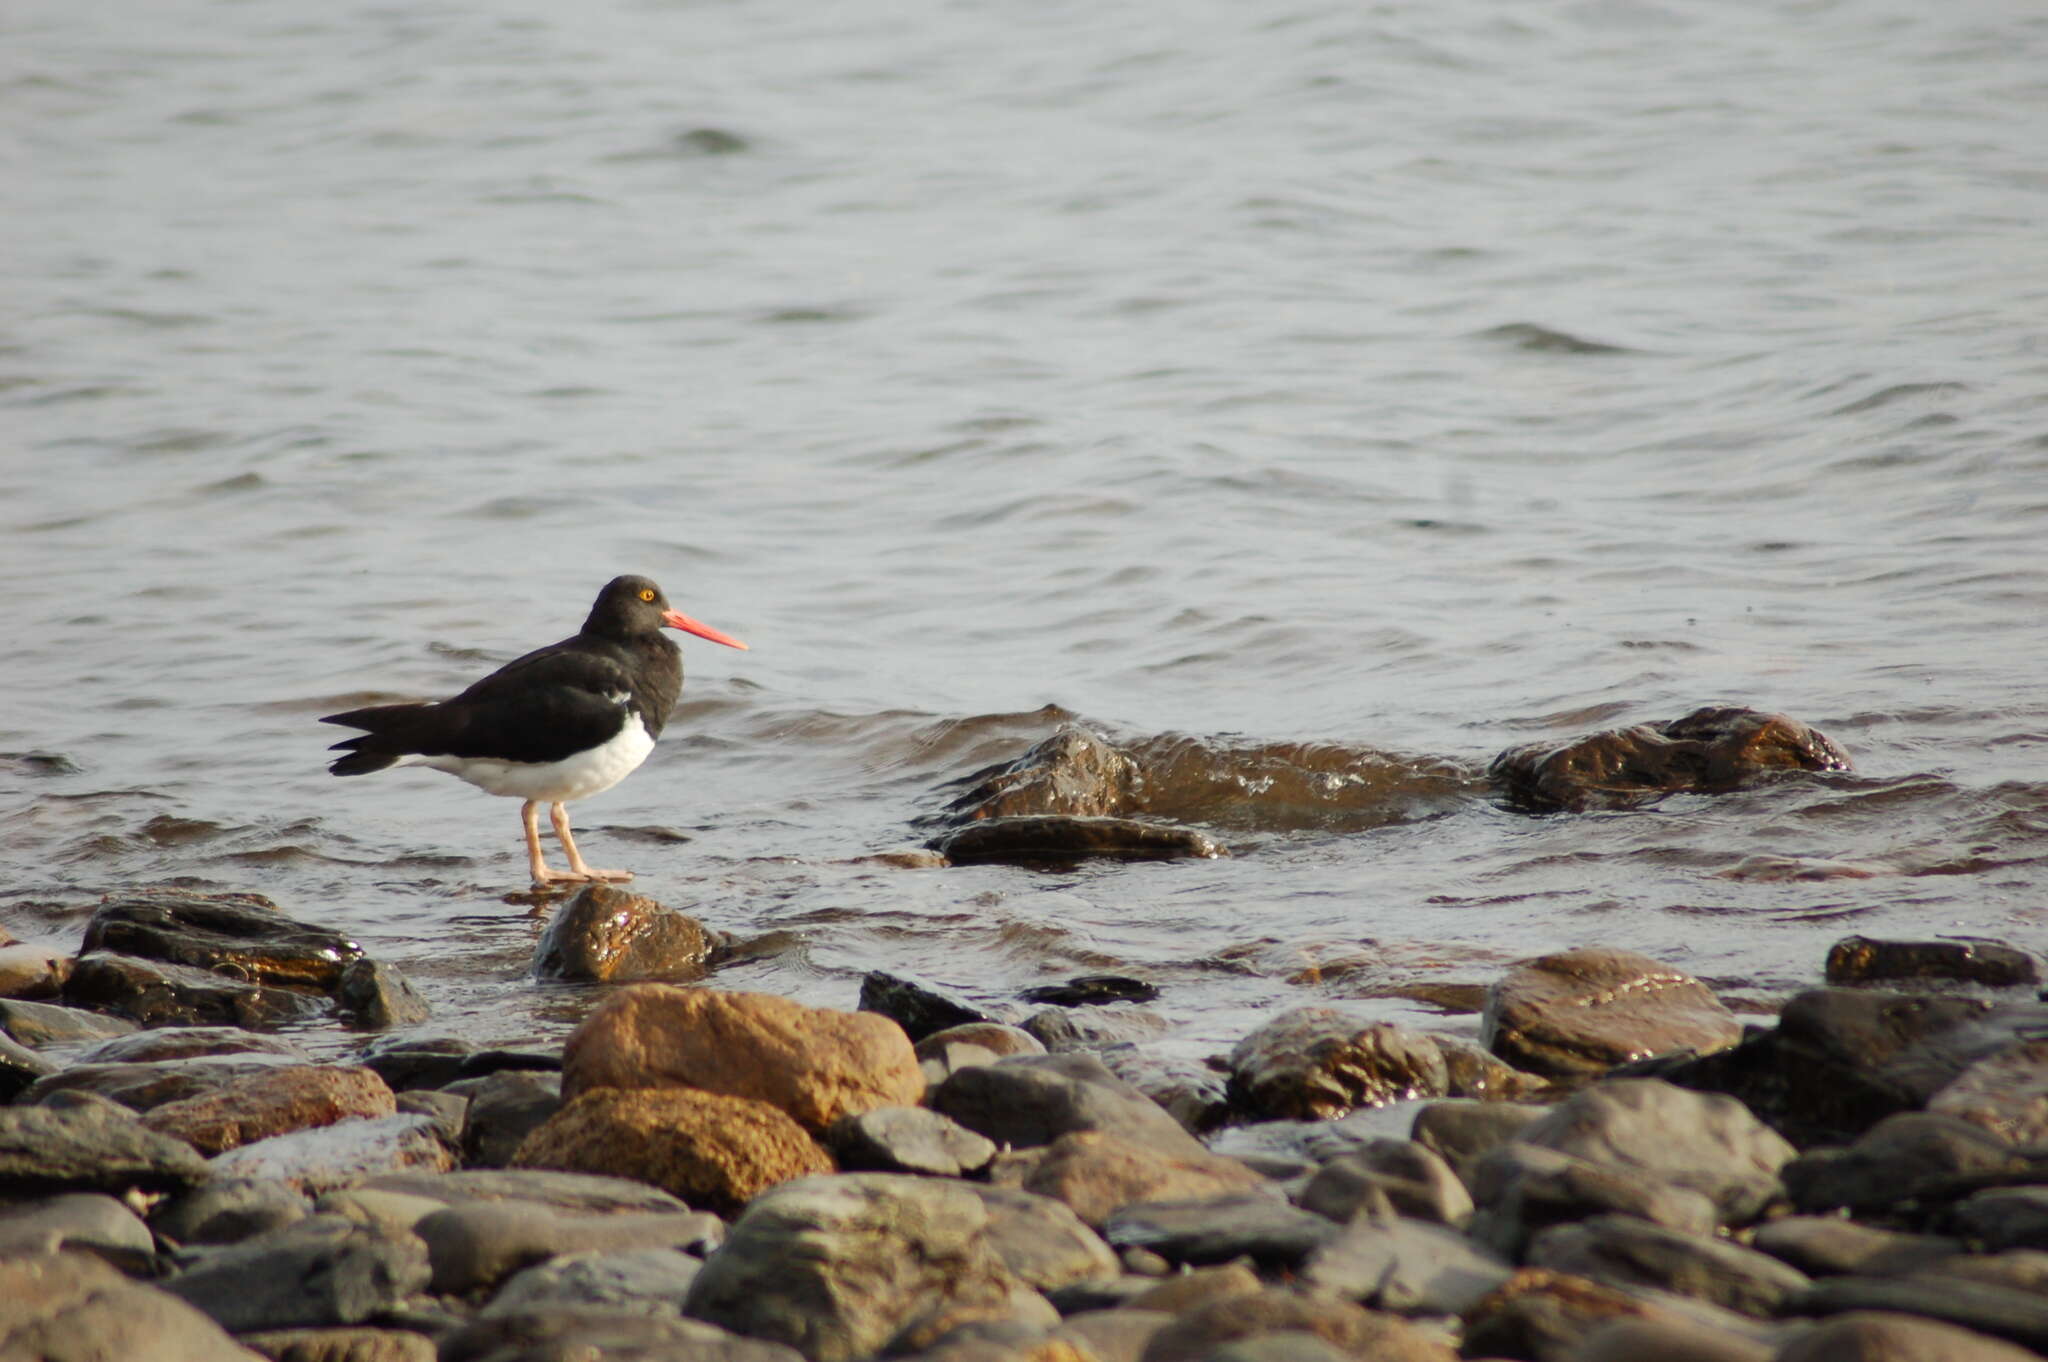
<point x="1584" y="1011"/>
<point x="272" y="1102"/>
<point x="611" y="935"/>
<point x="813" y="1063"/>
<point x="1317" y="1063"/>
<point x="239" y="934"/>
<point x="1709" y="751"/>
<point x="1072" y="772"/>
<point x="709" y="1149"/>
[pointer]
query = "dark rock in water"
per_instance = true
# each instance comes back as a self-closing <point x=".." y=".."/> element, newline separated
<point x="158" y="994"/>
<point x="1840" y="1060"/>
<point x="1072" y="772"/>
<point x="1472" y="1072"/>
<point x="484" y="1063"/>
<point x="1252" y="1225"/>
<point x="1032" y="1100"/>
<point x="229" y="1210"/>
<point x="91" y="1222"/>
<point x="1059" y="839"/>
<point x="611" y="935"/>
<point x="1710" y="1144"/>
<point x="1317" y="1063"/>
<point x="374" y="996"/>
<point x="243" y="935"/>
<point x="1709" y="751"/>
<point x="39" y="1024"/>
<point x="418" y="1061"/>
<point x="1087" y="989"/>
<point x="504" y="1108"/>
<point x="90" y="1148"/>
<point x="1584" y="1011"/>
<point x="907" y="1140"/>
<point x="1860" y="960"/>
<point x="63" y="1306"/>
<point x="1521" y="1190"/>
<point x="1619" y="1249"/>
<point x="20" y="1067"/>
<point x="1059" y="1028"/>
<point x="2020" y="1316"/>
<point x="320" y="1271"/>
<point x="919" y="1008"/>
<point x="1899" y="1158"/>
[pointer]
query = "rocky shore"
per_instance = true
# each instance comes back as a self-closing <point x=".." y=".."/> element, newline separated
<point x="1620" y="1170"/>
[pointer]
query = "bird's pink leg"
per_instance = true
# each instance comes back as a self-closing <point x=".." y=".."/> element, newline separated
<point x="529" y="817"/>
<point x="558" y="814"/>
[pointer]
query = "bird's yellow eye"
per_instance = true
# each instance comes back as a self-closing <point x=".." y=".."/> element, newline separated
<point x="646" y="593"/>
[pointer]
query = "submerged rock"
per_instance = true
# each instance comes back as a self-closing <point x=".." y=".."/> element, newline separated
<point x="155" y="993"/>
<point x="1709" y="751"/>
<point x="1072" y="772"/>
<point x="1059" y="838"/>
<point x="1861" y="960"/>
<point x="1088" y="990"/>
<point x="1318" y="1063"/>
<point x="611" y="935"/>
<point x="241" y="934"/>
<point x="1584" y="1011"/>
<point x="814" y="1063"/>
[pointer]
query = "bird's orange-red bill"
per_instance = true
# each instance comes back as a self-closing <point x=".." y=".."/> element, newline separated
<point x="676" y="619"/>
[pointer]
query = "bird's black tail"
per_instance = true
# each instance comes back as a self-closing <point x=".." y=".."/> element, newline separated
<point x="374" y="750"/>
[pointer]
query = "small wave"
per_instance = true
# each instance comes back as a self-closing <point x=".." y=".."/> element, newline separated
<point x="1544" y="340"/>
<point x="1898" y="392"/>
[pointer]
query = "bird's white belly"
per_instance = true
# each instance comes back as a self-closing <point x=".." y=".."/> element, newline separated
<point x="557" y="782"/>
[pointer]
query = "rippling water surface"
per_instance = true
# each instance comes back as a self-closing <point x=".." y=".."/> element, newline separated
<point x="1324" y="396"/>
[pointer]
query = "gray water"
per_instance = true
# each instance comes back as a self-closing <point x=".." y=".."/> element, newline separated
<point x="1349" y="390"/>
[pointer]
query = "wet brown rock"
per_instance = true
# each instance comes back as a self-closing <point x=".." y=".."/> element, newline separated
<point x="1861" y="960"/>
<point x="148" y="1084"/>
<point x="836" y="1267"/>
<point x="813" y="1063"/>
<point x="1071" y="772"/>
<point x="1476" y="1074"/>
<point x="1709" y="751"/>
<point x="71" y="1307"/>
<point x="709" y="1149"/>
<point x="40" y="1024"/>
<point x="1317" y="1063"/>
<point x="1352" y="1330"/>
<point x="190" y="1042"/>
<point x="32" y="971"/>
<point x="2005" y="1093"/>
<point x="240" y="934"/>
<point x="1584" y="1011"/>
<point x="271" y="1102"/>
<point x="1097" y="1173"/>
<point x="612" y="935"/>
<point x="1058" y="838"/>
<point x="155" y="993"/>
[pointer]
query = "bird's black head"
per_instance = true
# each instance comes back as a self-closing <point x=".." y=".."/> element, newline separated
<point x="632" y="607"/>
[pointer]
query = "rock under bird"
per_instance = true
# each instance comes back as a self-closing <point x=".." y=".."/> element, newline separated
<point x="561" y="723"/>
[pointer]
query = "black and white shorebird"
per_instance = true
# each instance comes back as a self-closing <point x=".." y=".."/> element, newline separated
<point x="561" y="723"/>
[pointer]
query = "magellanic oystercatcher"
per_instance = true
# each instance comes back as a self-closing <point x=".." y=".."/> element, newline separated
<point x="561" y="723"/>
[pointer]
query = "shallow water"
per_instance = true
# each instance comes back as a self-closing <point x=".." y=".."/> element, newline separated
<point x="1328" y="396"/>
